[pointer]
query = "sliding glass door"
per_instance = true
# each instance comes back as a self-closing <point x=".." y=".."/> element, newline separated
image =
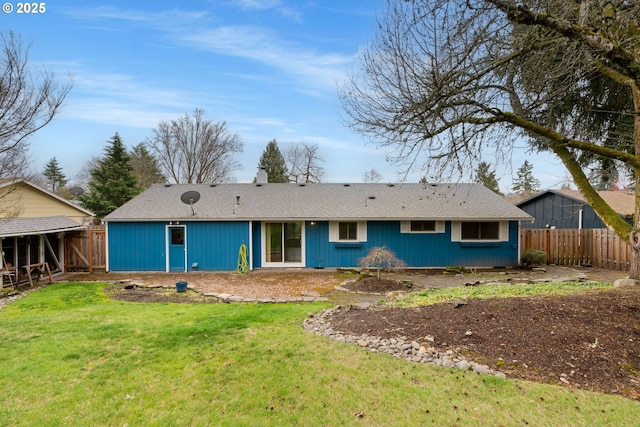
<point x="283" y="243"/>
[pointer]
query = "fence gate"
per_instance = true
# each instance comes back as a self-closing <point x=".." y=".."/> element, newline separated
<point x="85" y="250"/>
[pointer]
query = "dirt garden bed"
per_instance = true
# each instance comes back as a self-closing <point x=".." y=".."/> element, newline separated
<point x="589" y="340"/>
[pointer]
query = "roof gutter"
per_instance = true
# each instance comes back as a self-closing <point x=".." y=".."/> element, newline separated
<point x="39" y="232"/>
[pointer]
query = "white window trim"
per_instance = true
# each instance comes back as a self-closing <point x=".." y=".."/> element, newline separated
<point x="405" y="227"/>
<point x="168" y="244"/>
<point x="334" y="232"/>
<point x="263" y="247"/>
<point x="456" y="232"/>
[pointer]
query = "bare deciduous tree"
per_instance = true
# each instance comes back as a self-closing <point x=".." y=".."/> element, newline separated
<point x="28" y="101"/>
<point x="371" y="176"/>
<point x="303" y="163"/>
<point x="448" y="80"/>
<point x="83" y="176"/>
<point x="193" y="150"/>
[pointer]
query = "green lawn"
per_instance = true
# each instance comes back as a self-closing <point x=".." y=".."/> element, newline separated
<point x="72" y="357"/>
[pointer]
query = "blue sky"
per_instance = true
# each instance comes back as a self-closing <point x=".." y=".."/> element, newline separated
<point x="268" y="68"/>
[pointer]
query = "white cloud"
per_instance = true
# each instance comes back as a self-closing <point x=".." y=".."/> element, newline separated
<point x="315" y="72"/>
<point x="312" y="69"/>
<point x="120" y="99"/>
<point x="275" y="5"/>
<point x="158" y="20"/>
<point x="116" y="113"/>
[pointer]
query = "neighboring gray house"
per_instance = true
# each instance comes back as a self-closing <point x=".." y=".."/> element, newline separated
<point x="569" y="209"/>
<point x="187" y="227"/>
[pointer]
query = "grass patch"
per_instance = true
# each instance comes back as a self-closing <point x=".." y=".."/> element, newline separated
<point x="72" y="357"/>
<point x="495" y="290"/>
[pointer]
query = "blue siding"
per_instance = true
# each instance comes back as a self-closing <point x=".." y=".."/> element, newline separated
<point x="142" y="246"/>
<point x="416" y="250"/>
<point x="137" y="246"/>
<point x="215" y="245"/>
<point x="557" y="210"/>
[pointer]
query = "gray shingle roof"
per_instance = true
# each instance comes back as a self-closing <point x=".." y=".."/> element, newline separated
<point x="27" y="226"/>
<point x="319" y="202"/>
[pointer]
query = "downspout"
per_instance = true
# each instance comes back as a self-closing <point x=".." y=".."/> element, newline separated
<point x="106" y="246"/>
<point x="580" y="219"/>
<point x="250" y="245"/>
<point x="519" y="243"/>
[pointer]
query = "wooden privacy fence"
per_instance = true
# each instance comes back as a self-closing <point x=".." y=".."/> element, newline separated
<point x="598" y="247"/>
<point x="85" y="250"/>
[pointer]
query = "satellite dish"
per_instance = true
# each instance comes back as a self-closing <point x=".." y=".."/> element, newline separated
<point x="190" y="198"/>
<point x="76" y="191"/>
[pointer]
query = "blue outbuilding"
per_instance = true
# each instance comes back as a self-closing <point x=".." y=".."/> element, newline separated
<point x="183" y="227"/>
<point x="569" y="209"/>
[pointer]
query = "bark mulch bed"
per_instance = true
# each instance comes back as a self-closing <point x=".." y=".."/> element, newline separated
<point x="373" y="285"/>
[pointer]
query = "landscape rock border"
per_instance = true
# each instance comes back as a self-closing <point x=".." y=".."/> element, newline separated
<point x="400" y="347"/>
<point x="230" y="298"/>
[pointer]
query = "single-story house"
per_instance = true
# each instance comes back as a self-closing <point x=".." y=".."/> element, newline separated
<point x="569" y="209"/>
<point x="33" y="223"/>
<point x="185" y="227"/>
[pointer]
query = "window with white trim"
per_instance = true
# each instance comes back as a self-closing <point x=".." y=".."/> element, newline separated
<point x="423" y="227"/>
<point x="480" y="231"/>
<point x="348" y="231"/>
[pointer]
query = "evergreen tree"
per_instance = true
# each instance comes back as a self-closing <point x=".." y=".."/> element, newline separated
<point x="525" y="181"/>
<point x="112" y="182"/>
<point x="145" y="167"/>
<point x="274" y="164"/>
<point x="53" y="173"/>
<point x="487" y="177"/>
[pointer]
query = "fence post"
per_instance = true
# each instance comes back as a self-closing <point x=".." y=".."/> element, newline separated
<point x="90" y="251"/>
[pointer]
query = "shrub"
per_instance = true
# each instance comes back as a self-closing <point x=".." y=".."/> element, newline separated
<point x="381" y="258"/>
<point x="533" y="257"/>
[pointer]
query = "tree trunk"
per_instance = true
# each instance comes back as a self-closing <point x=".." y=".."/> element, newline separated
<point x="634" y="241"/>
<point x="634" y="238"/>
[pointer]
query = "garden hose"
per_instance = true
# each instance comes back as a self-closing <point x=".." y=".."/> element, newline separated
<point x="243" y="265"/>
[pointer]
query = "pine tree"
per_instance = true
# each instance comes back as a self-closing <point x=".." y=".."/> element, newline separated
<point x="53" y="173"/>
<point x="487" y="177"/>
<point x="524" y="180"/>
<point x="273" y="162"/>
<point x="145" y="167"/>
<point x="112" y="182"/>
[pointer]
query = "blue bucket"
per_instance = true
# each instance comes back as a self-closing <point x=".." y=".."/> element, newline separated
<point x="181" y="286"/>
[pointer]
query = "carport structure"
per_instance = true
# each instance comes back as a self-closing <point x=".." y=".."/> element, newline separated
<point x="33" y="223"/>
